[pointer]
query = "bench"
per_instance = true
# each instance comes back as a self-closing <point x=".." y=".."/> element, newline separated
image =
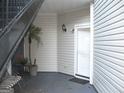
<point x="7" y="84"/>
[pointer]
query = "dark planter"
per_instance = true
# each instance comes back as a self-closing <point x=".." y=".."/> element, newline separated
<point x="18" y="68"/>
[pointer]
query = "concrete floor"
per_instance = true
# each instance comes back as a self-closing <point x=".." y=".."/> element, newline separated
<point x="52" y="83"/>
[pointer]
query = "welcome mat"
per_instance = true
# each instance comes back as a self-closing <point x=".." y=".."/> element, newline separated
<point x="80" y="81"/>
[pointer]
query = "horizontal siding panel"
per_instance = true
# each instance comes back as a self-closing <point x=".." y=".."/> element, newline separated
<point x="112" y="54"/>
<point x="111" y="37"/>
<point x="65" y="61"/>
<point x="68" y="53"/>
<point x="110" y="87"/>
<point x="117" y="30"/>
<point x="110" y="29"/>
<point x="111" y="43"/>
<point x="106" y="89"/>
<point x="116" y="19"/>
<point x="65" y="51"/>
<point x="109" y="46"/>
<point x="110" y="64"/>
<point x="117" y="24"/>
<point x="107" y="76"/>
<point x="47" y="50"/>
<point x="66" y="39"/>
<point x="119" y="76"/>
<point x="111" y="8"/>
<point x="111" y="59"/>
<point x="103" y="6"/>
<point x="67" y="64"/>
<point x="112" y="15"/>
<point x="99" y="4"/>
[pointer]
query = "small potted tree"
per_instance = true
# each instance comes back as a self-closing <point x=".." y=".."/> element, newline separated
<point x="34" y="33"/>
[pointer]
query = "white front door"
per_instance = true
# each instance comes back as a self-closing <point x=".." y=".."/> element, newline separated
<point x="83" y="52"/>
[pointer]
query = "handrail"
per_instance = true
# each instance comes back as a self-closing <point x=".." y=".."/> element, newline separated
<point x="14" y="20"/>
<point x="15" y="32"/>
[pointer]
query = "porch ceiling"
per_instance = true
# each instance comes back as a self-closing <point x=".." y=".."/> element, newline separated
<point x="62" y="6"/>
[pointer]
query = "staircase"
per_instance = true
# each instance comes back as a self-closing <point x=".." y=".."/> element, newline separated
<point x="15" y="18"/>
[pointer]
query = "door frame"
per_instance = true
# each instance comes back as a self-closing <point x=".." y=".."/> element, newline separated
<point x="91" y="41"/>
<point x="91" y="44"/>
<point x="86" y="25"/>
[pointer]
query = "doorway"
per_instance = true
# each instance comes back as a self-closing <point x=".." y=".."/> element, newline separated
<point x="82" y="51"/>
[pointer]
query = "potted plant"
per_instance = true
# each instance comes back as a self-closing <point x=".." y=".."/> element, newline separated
<point x="34" y="33"/>
<point x="33" y="68"/>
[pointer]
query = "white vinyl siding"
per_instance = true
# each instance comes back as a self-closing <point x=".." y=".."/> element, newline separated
<point x="46" y="52"/>
<point x="109" y="46"/>
<point x="66" y="39"/>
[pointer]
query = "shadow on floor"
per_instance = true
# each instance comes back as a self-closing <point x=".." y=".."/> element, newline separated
<point x="52" y="83"/>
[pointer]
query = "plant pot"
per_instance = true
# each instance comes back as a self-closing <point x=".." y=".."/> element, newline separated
<point x="18" y="68"/>
<point x="33" y="70"/>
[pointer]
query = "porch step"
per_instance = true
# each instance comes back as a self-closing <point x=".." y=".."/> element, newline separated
<point x="10" y="82"/>
<point x="11" y="90"/>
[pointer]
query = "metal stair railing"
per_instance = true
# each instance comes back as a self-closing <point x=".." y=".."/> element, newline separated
<point x="14" y="32"/>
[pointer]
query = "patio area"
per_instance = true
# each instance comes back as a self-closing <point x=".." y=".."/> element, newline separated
<point x="52" y="83"/>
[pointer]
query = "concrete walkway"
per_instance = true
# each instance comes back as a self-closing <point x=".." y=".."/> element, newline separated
<point x="53" y="83"/>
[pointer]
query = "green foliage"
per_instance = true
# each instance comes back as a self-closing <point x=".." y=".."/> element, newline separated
<point x="23" y="61"/>
<point x="34" y="33"/>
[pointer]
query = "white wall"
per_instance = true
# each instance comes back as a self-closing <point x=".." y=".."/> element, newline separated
<point x="109" y="46"/>
<point x="48" y="59"/>
<point x="46" y="52"/>
<point x="66" y="39"/>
